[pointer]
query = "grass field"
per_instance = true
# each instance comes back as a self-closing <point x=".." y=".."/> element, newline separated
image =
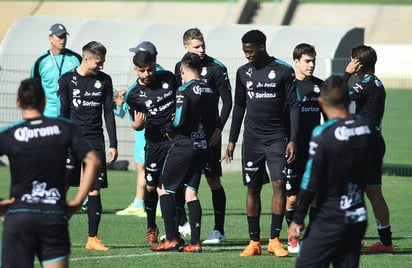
<point x="125" y="235"/>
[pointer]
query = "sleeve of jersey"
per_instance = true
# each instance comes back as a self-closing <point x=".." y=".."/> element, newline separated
<point x="182" y="102"/>
<point x="109" y="115"/>
<point x="293" y="106"/>
<point x="239" y="109"/>
<point x="63" y="95"/>
<point x="225" y="92"/>
<point x="310" y="181"/>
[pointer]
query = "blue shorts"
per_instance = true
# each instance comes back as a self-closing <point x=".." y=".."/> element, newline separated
<point x="140" y="143"/>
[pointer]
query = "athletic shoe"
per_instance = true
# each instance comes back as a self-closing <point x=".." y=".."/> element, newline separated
<point x="293" y="245"/>
<point x="378" y="247"/>
<point x="215" y="237"/>
<point x="94" y="243"/>
<point x="193" y="248"/>
<point x="151" y="235"/>
<point x="166" y="245"/>
<point x="275" y="247"/>
<point x="254" y="248"/>
<point x="185" y="229"/>
<point x="132" y="211"/>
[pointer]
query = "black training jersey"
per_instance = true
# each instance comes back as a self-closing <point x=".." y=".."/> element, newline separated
<point x="342" y="153"/>
<point x="307" y="92"/>
<point x="263" y="94"/>
<point x="196" y="116"/>
<point x="84" y="99"/>
<point x="157" y="102"/>
<point x="215" y="74"/>
<point x="37" y="151"/>
<point x="369" y="96"/>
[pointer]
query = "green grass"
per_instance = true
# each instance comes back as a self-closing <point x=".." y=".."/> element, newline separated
<point x="125" y="235"/>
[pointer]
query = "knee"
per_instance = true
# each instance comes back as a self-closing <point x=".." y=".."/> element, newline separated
<point x="214" y="183"/>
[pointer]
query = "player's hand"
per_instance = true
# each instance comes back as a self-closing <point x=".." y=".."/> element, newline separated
<point x="138" y="120"/>
<point x="4" y="204"/>
<point x="228" y="156"/>
<point x="290" y="153"/>
<point x="295" y="229"/>
<point x="353" y="66"/>
<point x="215" y="137"/>
<point x="113" y="155"/>
<point x="118" y="96"/>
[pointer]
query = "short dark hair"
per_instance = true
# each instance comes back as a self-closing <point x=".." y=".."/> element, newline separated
<point x="30" y="94"/>
<point x="94" y="48"/>
<point x="143" y="58"/>
<point x="335" y="92"/>
<point x="192" y="61"/>
<point x="254" y="37"/>
<point x="302" y="49"/>
<point x="366" y="56"/>
<point x="192" y="33"/>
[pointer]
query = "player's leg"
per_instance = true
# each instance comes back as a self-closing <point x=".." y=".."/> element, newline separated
<point x="276" y="162"/>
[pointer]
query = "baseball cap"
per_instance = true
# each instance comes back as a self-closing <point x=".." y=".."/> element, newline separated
<point x="145" y="46"/>
<point x="57" y="29"/>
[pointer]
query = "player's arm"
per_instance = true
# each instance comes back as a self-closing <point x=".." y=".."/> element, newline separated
<point x="90" y="169"/>
<point x="64" y="97"/>
<point x="294" y="114"/>
<point x="239" y="109"/>
<point x="225" y="92"/>
<point x="110" y="121"/>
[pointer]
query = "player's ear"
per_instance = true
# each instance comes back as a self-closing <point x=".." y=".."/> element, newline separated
<point x="18" y="105"/>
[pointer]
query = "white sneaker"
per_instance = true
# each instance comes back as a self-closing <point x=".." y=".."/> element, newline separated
<point x="293" y="245"/>
<point x="215" y="237"/>
<point x="184" y="229"/>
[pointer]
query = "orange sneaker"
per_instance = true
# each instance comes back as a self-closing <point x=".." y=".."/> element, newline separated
<point x="94" y="243"/>
<point x="378" y="247"/>
<point x="193" y="248"/>
<point x="275" y="247"/>
<point x="254" y="248"/>
<point x="166" y="245"/>
<point x="151" y="235"/>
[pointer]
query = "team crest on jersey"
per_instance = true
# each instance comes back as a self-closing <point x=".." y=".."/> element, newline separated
<point x="272" y="74"/>
<point x="316" y="89"/>
<point x="204" y="71"/>
<point x="165" y="85"/>
<point x="97" y="84"/>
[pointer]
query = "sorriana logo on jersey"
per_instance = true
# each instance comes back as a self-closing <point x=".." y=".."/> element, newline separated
<point x="25" y="134"/>
<point x="344" y="133"/>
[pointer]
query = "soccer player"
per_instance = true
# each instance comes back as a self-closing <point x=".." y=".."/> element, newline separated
<point x="86" y="94"/>
<point x="193" y="129"/>
<point x="342" y="155"/>
<point x="307" y="91"/>
<point x="151" y="104"/>
<point x="137" y="206"/>
<point x="37" y="213"/>
<point x="369" y="96"/>
<point x="54" y="62"/>
<point x="216" y="75"/>
<point x="264" y="86"/>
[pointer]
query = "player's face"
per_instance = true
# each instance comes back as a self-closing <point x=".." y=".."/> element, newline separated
<point x="305" y="66"/>
<point x="94" y="63"/>
<point x="252" y="52"/>
<point x="145" y="74"/>
<point x="196" y="46"/>
<point x="58" y="42"/>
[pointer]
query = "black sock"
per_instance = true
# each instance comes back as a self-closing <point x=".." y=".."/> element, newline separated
<point x="276" y="225"/>
<point x="385" y="235"/>
<point x="195" y="219"/>
<point x="167" y="204"/>
<point x="219" y="206"/>
<point x="254" y="228"/>
<point x="94" y="211"/>
<point x="180" y="207"/>
<point x="289" y="213"/>
<point x="150" y="204"/>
